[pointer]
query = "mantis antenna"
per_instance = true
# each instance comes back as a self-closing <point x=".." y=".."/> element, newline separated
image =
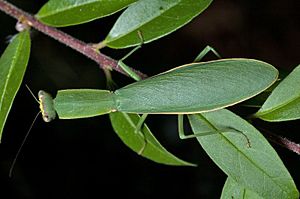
<point x="48" y="114"/>
<point x="22" y="144"/>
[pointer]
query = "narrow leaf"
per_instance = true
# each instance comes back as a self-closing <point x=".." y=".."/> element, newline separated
<point x="284" y="102"/>
<point x="124" y="125"/>
<point x="257" y="168"/>
<point x="232" y="189"/>
<point x="154" y="18"/>
<point x="13" y="64"/>
<point x="71" y="12"/>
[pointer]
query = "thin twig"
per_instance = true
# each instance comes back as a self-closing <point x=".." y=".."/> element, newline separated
<point x="281" y="141"/>
<point x="104" y="61"/>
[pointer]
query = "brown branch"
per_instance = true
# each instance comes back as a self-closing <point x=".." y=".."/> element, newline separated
<point x="281" y="141"/>
<point x="104" y="61"/>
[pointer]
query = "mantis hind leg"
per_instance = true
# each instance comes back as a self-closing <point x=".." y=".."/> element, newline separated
<point x="182" y="134"/>
<point x="214" y="130"/>
<point x="205" y="51"/>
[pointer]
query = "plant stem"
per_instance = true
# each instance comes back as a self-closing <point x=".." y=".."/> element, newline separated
<point x="286" y="143"/>
<point x="281" y="141"/>
<point x="104" y="61"/>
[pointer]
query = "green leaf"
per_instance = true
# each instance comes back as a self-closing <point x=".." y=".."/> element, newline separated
<point x="124" y="125"/>
<point x="71" y="12"/>
<point x="232" y="189"/>
<point x="13" y="64"/>
<point x="284" y="102"/>
<point x="154" y="18"/>
<point x="257" y="168"/>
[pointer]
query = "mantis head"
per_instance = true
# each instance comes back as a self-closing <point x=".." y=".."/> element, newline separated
<point x="46" y="106"/>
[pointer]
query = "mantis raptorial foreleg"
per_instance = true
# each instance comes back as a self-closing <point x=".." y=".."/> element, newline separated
<point x="127" y="69"/>
<point x="214" y="129"/>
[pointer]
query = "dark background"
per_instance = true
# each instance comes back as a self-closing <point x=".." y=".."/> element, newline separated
<point x="84" y="158"/>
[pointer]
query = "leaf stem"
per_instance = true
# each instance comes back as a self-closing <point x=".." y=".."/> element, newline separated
<point x="88" y="50"/>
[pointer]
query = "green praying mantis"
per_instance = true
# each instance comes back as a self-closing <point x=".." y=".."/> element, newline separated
<point x="188" y="89"/>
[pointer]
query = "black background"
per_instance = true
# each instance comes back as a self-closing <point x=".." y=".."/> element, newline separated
<point x="84" y="158"/>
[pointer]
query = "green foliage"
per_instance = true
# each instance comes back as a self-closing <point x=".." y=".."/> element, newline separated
<point x="154" y="18"/>
<point x="71" y="12"/>
<point x="284" y="102"/>
<point x="256" y="167"/>
<point x="125" y="125"/>
<point x="13" y="64"/>
<point x="234" y="190"/>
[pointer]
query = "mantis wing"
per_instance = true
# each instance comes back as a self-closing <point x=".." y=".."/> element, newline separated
<point x="198" y="87"/>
